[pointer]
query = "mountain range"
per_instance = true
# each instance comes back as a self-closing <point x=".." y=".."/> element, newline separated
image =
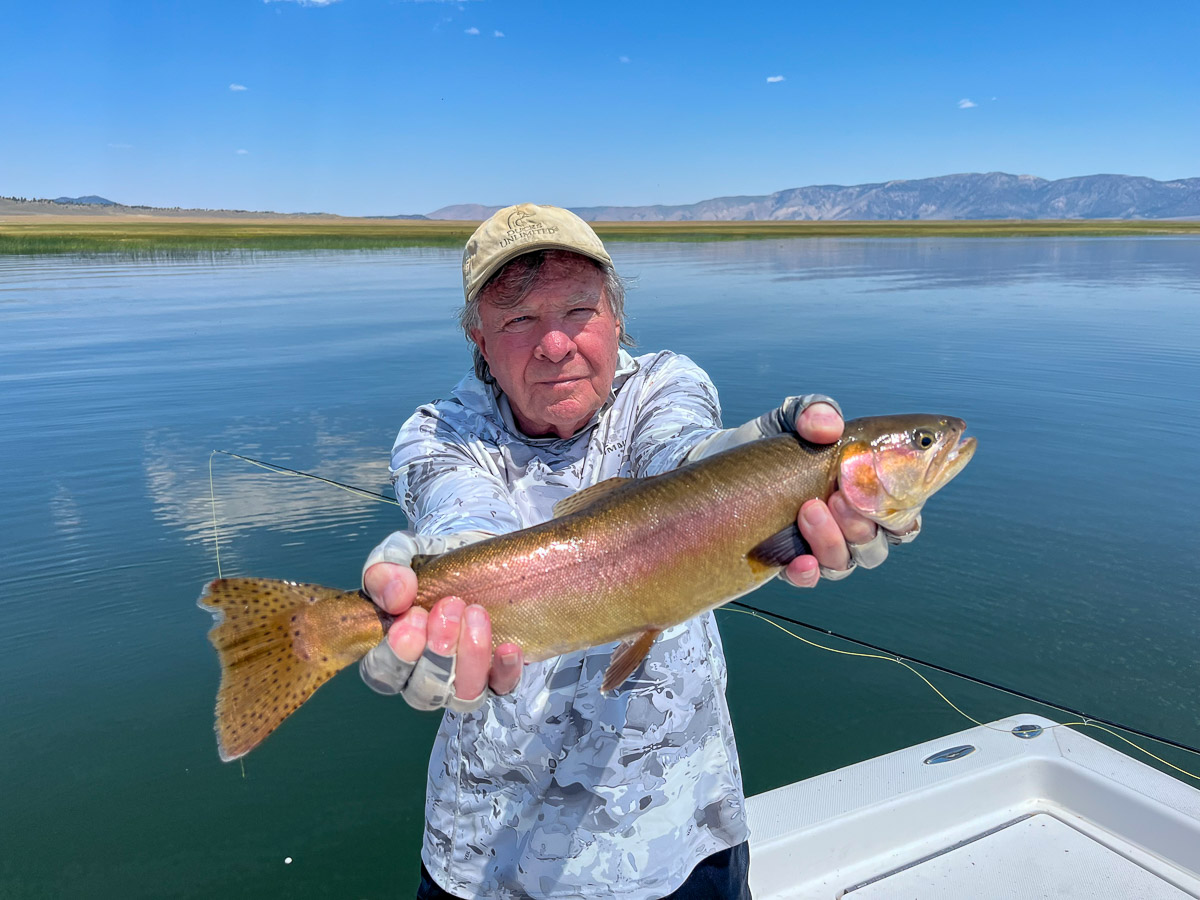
<point x="994" y="195"/>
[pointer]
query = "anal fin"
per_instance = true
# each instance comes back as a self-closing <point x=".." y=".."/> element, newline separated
<point x="627" y="657"/>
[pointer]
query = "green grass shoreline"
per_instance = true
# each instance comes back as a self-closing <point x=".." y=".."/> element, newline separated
<point x="170" y="238"/>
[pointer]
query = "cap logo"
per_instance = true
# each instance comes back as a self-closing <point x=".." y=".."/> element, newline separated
<point x="518" y="218"/>
<point x="522" y="226"/>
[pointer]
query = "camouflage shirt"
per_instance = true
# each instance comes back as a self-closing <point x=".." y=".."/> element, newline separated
<point x="558" y="790"/>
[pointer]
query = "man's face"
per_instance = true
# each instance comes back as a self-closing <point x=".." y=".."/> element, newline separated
<point x="554" y="354"/>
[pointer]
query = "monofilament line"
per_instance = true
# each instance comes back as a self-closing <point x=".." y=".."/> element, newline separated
<point x="212" y="496"/>
<point x="284" y="470"/>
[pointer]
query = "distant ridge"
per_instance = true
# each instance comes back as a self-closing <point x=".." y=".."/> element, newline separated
<point x="99" y="207"/>
<point x="90" y="200"/>
<point x="994" y="195"/>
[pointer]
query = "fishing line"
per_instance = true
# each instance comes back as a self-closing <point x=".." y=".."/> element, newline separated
<point x="769" y="617"/>
<point x="279" y="470"/>
<point x="887" y="655"/>
<point x="284" y="470"/>
<point x="212" y="496"/>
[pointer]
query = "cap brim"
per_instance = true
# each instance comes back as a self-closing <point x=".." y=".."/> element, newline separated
<point x="532" y="247"/>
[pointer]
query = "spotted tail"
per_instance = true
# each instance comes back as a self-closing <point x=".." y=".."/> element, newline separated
<point x="277" y="642"/>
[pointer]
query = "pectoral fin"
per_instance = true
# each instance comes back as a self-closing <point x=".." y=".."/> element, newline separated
<point x="780" y="548"/>
<point x="421" y="560"/>
<point x="627" y="657"/>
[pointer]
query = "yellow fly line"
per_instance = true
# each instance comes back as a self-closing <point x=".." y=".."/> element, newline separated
<point x="934" y="688"/>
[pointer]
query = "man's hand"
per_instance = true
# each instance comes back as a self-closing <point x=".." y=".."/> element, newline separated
<point x="826" y="527"/>
<point x="450" y="630"/>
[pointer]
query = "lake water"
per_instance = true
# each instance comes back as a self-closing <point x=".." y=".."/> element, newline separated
<point x="1063" y="562"/>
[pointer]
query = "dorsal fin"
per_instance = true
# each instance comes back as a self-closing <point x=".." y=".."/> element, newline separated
<point x="627" y="657"/>
<point x="780" y="548"/>
<point x="587" y="496"/>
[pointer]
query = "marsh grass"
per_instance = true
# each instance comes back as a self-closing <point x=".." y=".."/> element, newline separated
<point x="171" y="238"/>
<point x="194" y="238"/>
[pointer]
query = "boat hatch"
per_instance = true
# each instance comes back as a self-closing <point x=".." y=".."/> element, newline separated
<point x="1033" y="810"/>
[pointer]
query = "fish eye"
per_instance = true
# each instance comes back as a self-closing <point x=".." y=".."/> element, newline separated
<point x="924" y="438"/>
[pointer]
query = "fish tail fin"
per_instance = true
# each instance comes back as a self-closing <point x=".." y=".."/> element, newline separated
<point x="277" y="642"/>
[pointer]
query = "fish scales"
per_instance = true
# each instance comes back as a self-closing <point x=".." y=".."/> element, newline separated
<point x="650" y="554"/>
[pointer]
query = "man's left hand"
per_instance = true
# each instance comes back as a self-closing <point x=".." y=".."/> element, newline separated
<point x="826" y="526"/>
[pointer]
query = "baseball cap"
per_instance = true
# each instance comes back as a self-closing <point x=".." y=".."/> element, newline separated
<point x="520" y="229"/>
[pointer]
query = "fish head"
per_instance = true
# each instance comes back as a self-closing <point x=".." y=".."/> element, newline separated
<point x="890" y="465"/>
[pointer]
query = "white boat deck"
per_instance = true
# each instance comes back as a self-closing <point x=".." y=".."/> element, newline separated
<point x="1056" y="815"/>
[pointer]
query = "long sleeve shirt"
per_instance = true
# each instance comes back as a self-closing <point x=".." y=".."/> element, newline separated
<point x="558" y="790"/>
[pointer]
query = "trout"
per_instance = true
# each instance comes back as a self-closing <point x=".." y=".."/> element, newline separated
<point x="620" y="561"/>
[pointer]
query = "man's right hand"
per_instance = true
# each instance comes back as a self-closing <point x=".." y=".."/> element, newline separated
<point x="450" y="630"/>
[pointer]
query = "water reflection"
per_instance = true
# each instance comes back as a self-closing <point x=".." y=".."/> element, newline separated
<point x="249" y="498"/>
<point x="903" y="263"/>
<point x="64" y="509"/>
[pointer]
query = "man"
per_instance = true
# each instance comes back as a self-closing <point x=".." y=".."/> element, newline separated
<point x="540" y="784"/>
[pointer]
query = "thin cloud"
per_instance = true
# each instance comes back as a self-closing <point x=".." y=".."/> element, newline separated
<point x="775" y="79"/>
<point x="243" y="153"/>
<point x="238" y="87"/>
<point x="497" y="34"/>
<point x="622" y="59"/>
<point x="966" y="103"/>
<point x="121" y="146"/>
<point x="472" y="30"/>
<point x="305" y="2"/>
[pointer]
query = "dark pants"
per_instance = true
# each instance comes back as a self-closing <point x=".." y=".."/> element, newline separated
<point x="722" y="876"/>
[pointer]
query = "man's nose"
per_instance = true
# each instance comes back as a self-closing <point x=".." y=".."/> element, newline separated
<point x="555" y="345"/>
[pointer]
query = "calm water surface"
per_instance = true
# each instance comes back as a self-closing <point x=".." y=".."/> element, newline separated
<point x="1064" y="562"/>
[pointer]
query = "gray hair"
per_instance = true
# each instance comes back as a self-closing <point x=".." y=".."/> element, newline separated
<point x="515" y="279"/>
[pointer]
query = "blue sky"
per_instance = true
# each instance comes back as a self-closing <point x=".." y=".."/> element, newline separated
<point x="396" y="106"/>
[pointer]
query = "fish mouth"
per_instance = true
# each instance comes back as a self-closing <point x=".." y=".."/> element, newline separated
<point x="955" y="453"/>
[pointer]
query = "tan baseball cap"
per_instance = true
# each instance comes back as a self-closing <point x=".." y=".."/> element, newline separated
<point x="520" y="229"/>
